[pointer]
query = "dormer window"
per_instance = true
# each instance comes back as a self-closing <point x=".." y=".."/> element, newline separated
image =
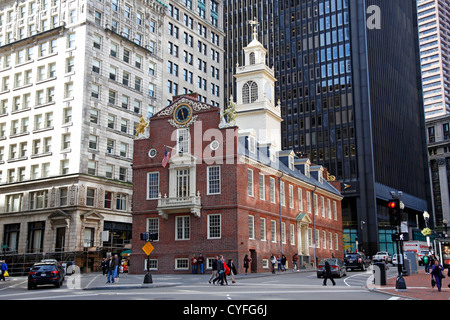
<point x="320" y="176"/>
<point x="252" y="144"/>
<point x="273" y="156"/>
<point x="291" y="162"/>
<point x="307" y="171"/>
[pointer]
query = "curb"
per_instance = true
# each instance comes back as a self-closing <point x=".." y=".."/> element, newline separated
<point x="137" y="286"/>
<point x="391" y="294"/>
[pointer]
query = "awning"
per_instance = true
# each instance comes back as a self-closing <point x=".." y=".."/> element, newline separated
<point x="125" y="252"/>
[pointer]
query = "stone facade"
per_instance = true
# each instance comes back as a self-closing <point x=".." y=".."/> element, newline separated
<point x="77" y="75"/>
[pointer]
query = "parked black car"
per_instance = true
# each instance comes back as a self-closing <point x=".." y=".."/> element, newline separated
<point x="45" y="273"/>
<point x="356" y="260"/>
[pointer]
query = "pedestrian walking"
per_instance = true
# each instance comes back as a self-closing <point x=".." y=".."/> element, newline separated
<point x="194" y="264"/>
<point x="233" y="271"/>
<point x="295" y="262"/>
<point x="279" y="263"/>
<point x="273" y="261"/>
<point x="426" y="263"/>
<point x="448" y="274"/>
<point x="247" y="261"/>
<point x="437" y="275"/>
<point x="327" y="274"/>
<point x="226" y="272"/>
<point x="110" y="270"/>
<point x="432" y="258"/>
<point x="214" y="272"/>
<point x="220" y="271"/>
<point x="116" y="268"/>
<point x="104" y="266"/>
<point x="3" y="270"/>
<point x="283" y="262"/>
<point x="200" y="262"/>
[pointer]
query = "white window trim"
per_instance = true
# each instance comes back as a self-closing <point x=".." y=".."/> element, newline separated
<point x="262" y="187"/>
<point x="291" y="196"/>
<point x="252" y="193"/>
<point x="148" y="226"/>
<point x="181" y="259"/>
<point x="147" y="191"/>
<point x="176" y="230"/>
<point x="251" y="224"/>
<point x="208" y="180"/>
<point x="151" y="260"/>
<point x="273" y="230"/>
<point x="263" y="229"/>
<point x="292" y="233"/>
<point x="272" y="192"/>
<point x="220" y="226"/>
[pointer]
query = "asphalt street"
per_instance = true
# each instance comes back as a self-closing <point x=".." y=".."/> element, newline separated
<point x="282" y="286"/>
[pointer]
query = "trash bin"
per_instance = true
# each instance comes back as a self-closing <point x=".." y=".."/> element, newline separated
<point x="379" y="271"/>
<point x="407" y="267"/>
<point x="413" y="262"/>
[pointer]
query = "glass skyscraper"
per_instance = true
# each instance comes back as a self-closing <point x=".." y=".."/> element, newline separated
<point x="348" y="79"/>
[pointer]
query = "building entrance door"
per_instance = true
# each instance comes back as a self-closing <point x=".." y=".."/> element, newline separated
<point x="254" y="264"/>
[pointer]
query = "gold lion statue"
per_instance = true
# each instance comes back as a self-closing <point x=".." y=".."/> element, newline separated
<point x="142" y="125"/>
<point x="229" y="114"/>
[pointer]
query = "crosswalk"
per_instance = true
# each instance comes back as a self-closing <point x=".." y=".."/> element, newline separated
<point x="359" y="279"/>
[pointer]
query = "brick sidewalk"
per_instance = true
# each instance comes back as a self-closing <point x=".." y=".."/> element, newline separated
<point x="418" y="286"/>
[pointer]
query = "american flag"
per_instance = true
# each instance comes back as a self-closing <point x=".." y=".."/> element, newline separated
<point x="166" y="158"/>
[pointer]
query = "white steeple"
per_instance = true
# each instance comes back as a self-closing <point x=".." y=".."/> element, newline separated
<point x="255" y="106"/>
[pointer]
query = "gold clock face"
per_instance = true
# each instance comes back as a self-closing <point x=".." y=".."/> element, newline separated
<point x="182" y="114"/>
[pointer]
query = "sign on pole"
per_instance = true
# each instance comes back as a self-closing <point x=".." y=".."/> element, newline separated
<point x="148" y="248"/>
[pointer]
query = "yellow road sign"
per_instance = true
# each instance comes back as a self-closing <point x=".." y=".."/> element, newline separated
<point x="148" y="248"/>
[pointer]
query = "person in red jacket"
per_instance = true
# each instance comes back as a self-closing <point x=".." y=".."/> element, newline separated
<point x="194" y="264"/>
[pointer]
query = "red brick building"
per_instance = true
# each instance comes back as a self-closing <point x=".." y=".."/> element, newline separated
<point x="228" y="189"/>
<point x="226" y="201"/>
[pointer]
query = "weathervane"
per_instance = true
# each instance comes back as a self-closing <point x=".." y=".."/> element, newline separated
<point x="255" y="25"/>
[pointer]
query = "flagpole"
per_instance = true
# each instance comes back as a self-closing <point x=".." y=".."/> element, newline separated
<point x="170" y="147"/>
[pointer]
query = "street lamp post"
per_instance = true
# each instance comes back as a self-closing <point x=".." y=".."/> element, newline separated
<point x="400" y="283"/>
<point x="426" y="217"/>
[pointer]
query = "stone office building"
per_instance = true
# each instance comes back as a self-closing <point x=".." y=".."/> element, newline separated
<point x="75" y="77"/>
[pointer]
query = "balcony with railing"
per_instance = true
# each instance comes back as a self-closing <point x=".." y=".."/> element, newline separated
<point x="168" y="205"/>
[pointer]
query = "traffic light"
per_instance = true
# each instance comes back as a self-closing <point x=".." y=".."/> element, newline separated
<point x="394" y="212"/>
<point x="149" y="236"/>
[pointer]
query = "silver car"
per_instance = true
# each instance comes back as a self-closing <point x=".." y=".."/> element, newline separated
<point x="337" y="268"/>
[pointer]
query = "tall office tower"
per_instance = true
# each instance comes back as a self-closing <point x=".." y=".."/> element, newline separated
<point x="193" y="50"/>
<point x="434" y="28"/>
<point x="75" y="77"/>
<point x="439" y="153"/>
<point x="349" y="86"/>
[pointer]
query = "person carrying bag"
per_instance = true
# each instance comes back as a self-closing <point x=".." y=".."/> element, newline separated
<point x="3" y="270"/>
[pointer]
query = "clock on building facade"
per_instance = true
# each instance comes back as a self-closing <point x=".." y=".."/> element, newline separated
<point x="182" y="114"/>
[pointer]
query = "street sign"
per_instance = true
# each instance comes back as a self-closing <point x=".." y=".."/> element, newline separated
<point x="400" y="237"/>
<point x="404" y="226"/>
<point x="148" y="248"/>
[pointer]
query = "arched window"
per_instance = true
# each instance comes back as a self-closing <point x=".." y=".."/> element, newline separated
<point x="252" y="58"/>
<point x="249" y="92"/>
